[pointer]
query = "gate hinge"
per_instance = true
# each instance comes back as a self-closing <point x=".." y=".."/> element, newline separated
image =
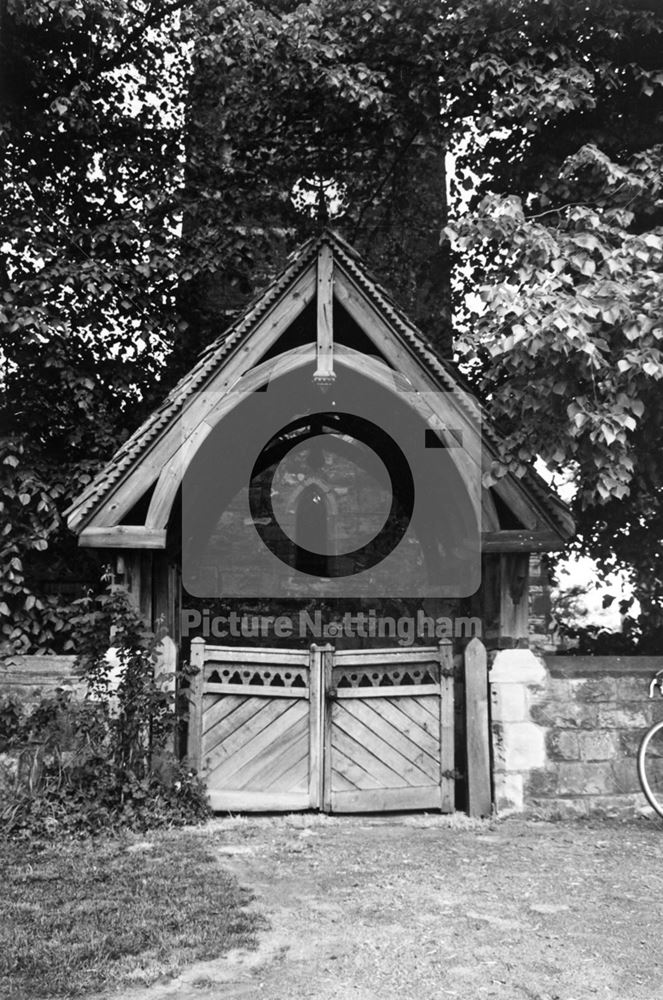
<point x="455" y="775"/>
<point x="447" y="671"/>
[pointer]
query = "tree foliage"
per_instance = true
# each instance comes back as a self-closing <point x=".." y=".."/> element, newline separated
<point x="92" y="149"/>
<point x="566" y="256"/>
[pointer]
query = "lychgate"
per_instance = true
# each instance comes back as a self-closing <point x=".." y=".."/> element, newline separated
<point x="321" y="464"/>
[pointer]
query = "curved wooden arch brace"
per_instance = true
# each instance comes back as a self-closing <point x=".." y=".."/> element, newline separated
<point x="284" y="364"/>
<point x="173" y="473"/>
<point x="271" y="327"/>
<point x="399" y="354"/>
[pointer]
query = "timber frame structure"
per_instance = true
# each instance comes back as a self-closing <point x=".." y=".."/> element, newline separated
<point x="131" y="505"/>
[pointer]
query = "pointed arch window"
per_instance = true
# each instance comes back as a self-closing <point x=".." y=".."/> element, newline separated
<point x="312" y="533"/>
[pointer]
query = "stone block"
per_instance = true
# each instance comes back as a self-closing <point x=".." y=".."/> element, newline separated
<point x="560" y="808"/>
<point x="536" y="566"/>
<point x="542" y="782"/>
<point x="509" y="702"/>
<point x="574" y="807"/>
<point x="543" y="711"/>
<point x="632" y="689"/>
<point x="539" y="603"/>
<point x="518" y="746"/>
<point x="593" y="689"/>
<point x="598" y="745"/>
<point x="629" y="742"/>
<point x="621" y="805"/>
<point x="614" y="716"/>
<point x="585" y="778"/>
<point x="572" y="715"/>
<point x="558" y="689"/>
<point x="517" y="666"/>
<point x="509" y="793"/>
<point x="562" y="744"/>
<point x="625" y="776"/>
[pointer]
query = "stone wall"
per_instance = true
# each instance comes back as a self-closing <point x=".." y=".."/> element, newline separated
<point x="30" y="678"/>
<point x="566" y="731"/>
<point x="33" y="677"/>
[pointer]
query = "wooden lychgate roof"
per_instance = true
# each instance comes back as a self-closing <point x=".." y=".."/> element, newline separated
<point x="324" y="275"/>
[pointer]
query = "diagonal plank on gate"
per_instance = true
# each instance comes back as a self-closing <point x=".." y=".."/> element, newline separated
<point x="428" y="707"/>
<point x="219" y="707"/>
<point x="245" y="721"/>
<point x="227" y="744"/>
<point x="426" y="721"/>
<point x="405" y="734"/>
<point x="346" y="770"/>
<point x="350" y="737"/>
<point x="232" y="721"/>
<point x="404" y="755"/>
<point x="224" y="766"/>
<point x="353" y="720"/>
<point x="294" y="778"/>
<point x="341" y="770"/>
<point x="277" y="758"/>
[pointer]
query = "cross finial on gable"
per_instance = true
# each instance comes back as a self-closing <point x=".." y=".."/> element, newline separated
<point x="323" y="211"/>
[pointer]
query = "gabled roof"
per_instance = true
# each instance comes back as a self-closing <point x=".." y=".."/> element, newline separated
<point x="297" y="281"/>
<point x="208" y="363"/>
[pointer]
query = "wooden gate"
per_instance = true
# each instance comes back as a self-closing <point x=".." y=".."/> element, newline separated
<point x="357" y="731"/>
<point x="254" y="727"/>
<point x="389" y="737"/>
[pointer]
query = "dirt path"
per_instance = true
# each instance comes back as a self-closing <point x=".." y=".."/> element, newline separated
<point x="417" y="907"/>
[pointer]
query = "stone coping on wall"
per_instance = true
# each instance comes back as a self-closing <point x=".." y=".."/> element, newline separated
<point x="29" y="678"/>
<point x="34" y="671"/>
<point x="603" y="666"/>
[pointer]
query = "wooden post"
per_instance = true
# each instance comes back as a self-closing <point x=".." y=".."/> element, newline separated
<point x="476" y="730"/>
<point x="514" y="594"/>
<point x="196" y="685"/>
<point x="327" y="653"/>
<point x="505" y="595"/>
<point x="324" y="373"/>
<point x="447" y="750"/>
<point x="315" y="691"/>
<point x="138" y="581"/>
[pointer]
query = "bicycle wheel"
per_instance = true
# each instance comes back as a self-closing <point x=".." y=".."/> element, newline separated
<point x="650" y="766"/>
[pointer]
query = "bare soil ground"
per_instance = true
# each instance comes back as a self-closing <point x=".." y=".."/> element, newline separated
<point x="426" y="908"/>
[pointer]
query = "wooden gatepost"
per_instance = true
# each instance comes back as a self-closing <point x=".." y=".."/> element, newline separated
<point x="477" y="730"/>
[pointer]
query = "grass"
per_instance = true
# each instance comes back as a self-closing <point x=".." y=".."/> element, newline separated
<point x="77" y="918"/>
